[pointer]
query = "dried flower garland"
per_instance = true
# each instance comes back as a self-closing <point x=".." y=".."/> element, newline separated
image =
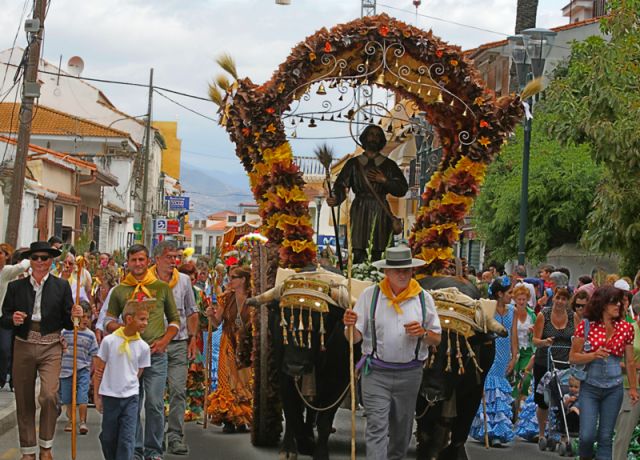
<point x="468" y="120"/>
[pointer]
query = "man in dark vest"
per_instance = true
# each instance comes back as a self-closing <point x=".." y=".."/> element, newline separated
<point x="37" y="308"/>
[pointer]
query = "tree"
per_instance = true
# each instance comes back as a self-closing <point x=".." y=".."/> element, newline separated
<point x="562" y="184"/>
<point x="595" y="100"/>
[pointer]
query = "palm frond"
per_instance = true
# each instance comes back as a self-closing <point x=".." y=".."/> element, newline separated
<point x="223" y="83"/>
<point x="228" y="64"/>
<point x="324" y="154"/>
<point x="532" y="88"/>
<point x="215" y="95"/>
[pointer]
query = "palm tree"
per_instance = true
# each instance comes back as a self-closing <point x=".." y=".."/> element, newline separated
<point x="526" y="13"/>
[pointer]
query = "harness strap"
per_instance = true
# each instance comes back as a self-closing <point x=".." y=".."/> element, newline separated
<point x="372" y="320"/>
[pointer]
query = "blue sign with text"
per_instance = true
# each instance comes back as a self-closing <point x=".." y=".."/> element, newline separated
<point x="178" y="203"/>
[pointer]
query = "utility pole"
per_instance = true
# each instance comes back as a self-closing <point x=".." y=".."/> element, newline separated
<point x="30" y="91"/>
<point x="145" y="162"/>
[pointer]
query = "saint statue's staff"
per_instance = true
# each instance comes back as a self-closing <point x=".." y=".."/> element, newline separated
<point x="74" y="379"/>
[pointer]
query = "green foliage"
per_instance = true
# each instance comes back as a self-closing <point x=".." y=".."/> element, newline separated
<point x="83" y="242"/>
<point x="595" y="100"/>
<point x="562" y="183"/>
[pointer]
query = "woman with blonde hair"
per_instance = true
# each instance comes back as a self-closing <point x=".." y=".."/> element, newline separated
<point x="231" y="403"/>
<point x="525" y="319"/>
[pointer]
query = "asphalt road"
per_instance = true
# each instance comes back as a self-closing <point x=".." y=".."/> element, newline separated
<point x="213" y="444"/>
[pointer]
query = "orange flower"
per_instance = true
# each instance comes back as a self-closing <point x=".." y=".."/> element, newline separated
<point x="270" y="110"/>
<point x="271" y="128"/>
<point x="484" y="124"/>
<point x="327" y="47"/>
<point x="478" y="101"/>
<point x="246" y="132"/>
<point x="312" y="56"/>
<point x="484" y="141"/>
<point x="454" y="62"/>
<point x="384" y="30"/>
<point x="281" y="87"/>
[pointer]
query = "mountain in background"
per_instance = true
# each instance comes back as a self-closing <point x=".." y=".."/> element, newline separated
<point x="212" y="191"/>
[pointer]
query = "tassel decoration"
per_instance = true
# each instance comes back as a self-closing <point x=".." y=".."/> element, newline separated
<point x="459" y="356"/>
<point x="432" y="359"/>
<point x="309" y="329"/>
<point x="301" y="329"/>
<point x="283" y="323"/>
<point x="472" y="355"/>
<point x="448" y="368"/>
<point x="322" y="332"/>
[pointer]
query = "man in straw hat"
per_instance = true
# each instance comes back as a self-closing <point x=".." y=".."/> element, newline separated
<point x="141" y="284"/>
<point x="37" y="308"/>
<point x="397" y="322"/>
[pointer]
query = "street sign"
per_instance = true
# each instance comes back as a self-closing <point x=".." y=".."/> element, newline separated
<point x="173" y="226"/>
<point x="137" y="226"/>
<point x="177" y="203"/>
<point x="160" y="226"/>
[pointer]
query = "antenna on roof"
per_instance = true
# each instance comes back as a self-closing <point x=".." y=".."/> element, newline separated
<point x="75" y="66"/>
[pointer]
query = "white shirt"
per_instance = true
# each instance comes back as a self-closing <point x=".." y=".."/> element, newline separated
<point x="37" y="313"/>
<point x="185" y="303"/>
<point x="523" y="331"/>
<point x="8" y="274"/>
<point x="392" y="342"/>
<point x="100" y="324"/>
<point x="120" y="378"/>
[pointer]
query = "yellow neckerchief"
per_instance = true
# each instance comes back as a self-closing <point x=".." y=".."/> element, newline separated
<point x="131" y="280"/>
<point x="412" y="290"/>
<point x="124" y="346"/>
<point x="175" y="276"/>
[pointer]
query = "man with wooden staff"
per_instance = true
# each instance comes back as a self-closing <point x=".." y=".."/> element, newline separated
<point x="397" y="321"/>
<point x="141" y="284"/>
<point x="38" y="307"/>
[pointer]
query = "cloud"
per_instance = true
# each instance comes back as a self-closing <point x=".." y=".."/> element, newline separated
<point x="180" y="39"/>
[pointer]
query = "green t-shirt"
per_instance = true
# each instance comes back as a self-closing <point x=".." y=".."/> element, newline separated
<point x="165" y="307"/>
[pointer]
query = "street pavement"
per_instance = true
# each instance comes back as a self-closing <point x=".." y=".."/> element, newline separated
<point x="213" y="444"/>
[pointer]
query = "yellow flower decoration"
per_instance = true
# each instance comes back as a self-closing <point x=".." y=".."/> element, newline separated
<point x="261" y="169"/>
<point x="281" y="87"/>
<point x="431" y="254"/>
<point x="280" y="154"/>
<point x="312" y="56"/>
<point x="455" y="199"/>
<point x="484" y="141"/>
<point x="271" y="128"/>
<point x="299" y="245"/>
<point x="294" y="194"/>
<point x="478" y="101"/>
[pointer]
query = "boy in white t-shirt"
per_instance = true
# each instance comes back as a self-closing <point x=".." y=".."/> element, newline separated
<point x="121" y="359"/>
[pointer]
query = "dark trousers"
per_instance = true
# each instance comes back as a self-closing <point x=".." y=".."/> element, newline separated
<point x="119" y="422"/>
<point x="6" y="351"/>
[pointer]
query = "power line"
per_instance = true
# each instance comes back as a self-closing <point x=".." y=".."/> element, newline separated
<point x="185" y="107"/>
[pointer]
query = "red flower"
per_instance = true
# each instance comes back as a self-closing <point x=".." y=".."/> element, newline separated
<point x="484" y="124"/>
<point x="246" y="132"/>
<point x="439" y="53"/>
<point x="270" y="110"/>
<point x="384" y="30"/>
<point x="327" y="47"/>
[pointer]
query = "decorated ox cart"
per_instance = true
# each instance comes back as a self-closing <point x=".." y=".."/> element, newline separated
<point x="469" y="121"/>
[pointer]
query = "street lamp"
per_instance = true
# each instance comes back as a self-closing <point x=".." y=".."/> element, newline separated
<point x="318" y="199"/>
<point x="531" y="48"/>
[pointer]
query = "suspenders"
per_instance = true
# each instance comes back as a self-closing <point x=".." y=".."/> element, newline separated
<point x="372" y="320"/>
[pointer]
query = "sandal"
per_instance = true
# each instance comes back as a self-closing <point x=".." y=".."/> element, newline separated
<point x="68" y="427"/>
<point x="84" y="429"/>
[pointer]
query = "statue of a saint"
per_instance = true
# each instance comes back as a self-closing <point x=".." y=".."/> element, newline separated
<point x="384" y="176"/>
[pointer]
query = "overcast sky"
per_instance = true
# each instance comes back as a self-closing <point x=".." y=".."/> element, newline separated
<point x="180" y="39"/>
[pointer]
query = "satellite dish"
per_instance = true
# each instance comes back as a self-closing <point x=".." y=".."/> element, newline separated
<point x="75" y="66"/>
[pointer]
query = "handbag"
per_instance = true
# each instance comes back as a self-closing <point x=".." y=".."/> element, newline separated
<point x="579" y="371"/>
<point x="396" y="223"/>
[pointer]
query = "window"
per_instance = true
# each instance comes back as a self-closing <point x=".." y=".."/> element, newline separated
<point x="198" y="244"/>
<point x="57" y="221"/>
<point x="232" y="219"/>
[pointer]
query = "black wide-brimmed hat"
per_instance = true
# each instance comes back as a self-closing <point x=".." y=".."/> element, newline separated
<point x="41" y="246"/>
<point x="398" y="257"/>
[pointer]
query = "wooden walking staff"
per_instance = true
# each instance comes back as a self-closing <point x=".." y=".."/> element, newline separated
<point x="352" y="371"/>
<point x="74" y="379"/>
<point x="207" y="378"/>
<point x="325" y="157"/>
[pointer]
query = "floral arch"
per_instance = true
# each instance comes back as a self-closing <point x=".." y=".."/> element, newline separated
<point x="470" y="122"/>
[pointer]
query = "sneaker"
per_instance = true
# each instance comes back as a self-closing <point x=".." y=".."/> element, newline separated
<point x="178" y="447"/>
<point x="228" y="428"/>
<point x="68" y="427"/>
<point x="84" y="429"/>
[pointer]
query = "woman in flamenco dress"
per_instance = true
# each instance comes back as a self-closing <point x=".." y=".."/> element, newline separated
<point x="497" y="390"/>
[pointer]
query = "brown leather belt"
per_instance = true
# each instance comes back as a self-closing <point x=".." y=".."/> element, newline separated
<point x="35" y="326"/>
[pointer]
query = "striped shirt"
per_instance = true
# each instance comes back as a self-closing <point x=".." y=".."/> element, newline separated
<point x="87" y="349"/>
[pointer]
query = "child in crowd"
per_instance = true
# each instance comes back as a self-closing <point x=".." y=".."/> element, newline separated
<point x="122" y="357"/>
<point x="87" y="349"/>
<point x="571" y="407"/>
